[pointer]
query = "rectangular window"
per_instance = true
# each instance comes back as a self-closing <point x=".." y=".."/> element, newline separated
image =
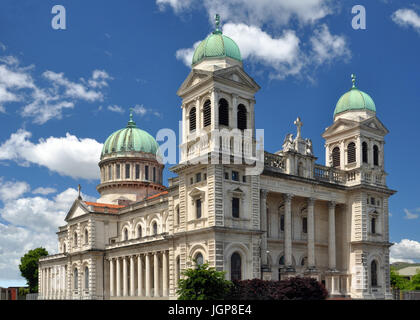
<point x="235" y="175"/>
<point x="118" y="169"/>
<point x="110" y="172"/>
<point x="205" y="176"/>
<point x="154" y="174"/>
<point x="282" y="222"/>
<point x="305" y="225"/>
<point x="372" y="201"/>
<point x="227" y="175"/>
<point x="137" y="171"/>
<point x="146" y="172"/>
<point x="191" y="180"/>
<point x="198" y="208"/>
<point x="198" y="177"/>
<point x="373" y="225"/>
<point x="235" y="207"/>
<point x="243" y="178"/>
<point x="127" y="171"/>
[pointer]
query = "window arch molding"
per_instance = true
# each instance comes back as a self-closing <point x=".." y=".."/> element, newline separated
<point x="351" y="152"/>
<point x="223" y="108"/>
<point x="336" y="156"/>
<point x="206" y="112"/>
<point x="243" y="251"/>
<point x="379" y="272"/>
<point x="154" y="227"/>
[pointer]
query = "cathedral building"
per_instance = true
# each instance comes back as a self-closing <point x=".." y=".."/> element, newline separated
<point x="289" y="216"/>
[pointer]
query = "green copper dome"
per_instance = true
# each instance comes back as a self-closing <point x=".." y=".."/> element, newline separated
<point x="216" y="45"/>
<point x="129" y="139"/>
<point x="354" y="99"/>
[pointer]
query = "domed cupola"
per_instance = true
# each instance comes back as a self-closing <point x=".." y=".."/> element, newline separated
<point x="217" y="48"/>
<point x="359" y="103"/>
<point x="130" y="166"/>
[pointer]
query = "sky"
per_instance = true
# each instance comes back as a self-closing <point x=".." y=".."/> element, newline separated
<point x="64" y="91"/>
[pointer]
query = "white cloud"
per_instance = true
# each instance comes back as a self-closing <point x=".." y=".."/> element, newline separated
<point x="116" y="108"/>
<point x="3" y="46"/>
<point x="407" y="18"/>
<point x="327" y="47"/>
<point x="257" y="12"/>
<point x="409" y="215"/>
<point x="69" y="156"/>
<point x="31" y="222"/>
<point x="44" y="191"/>
<point x="142" y="111"/>
<point x="45" y="103"/>
<point x="10" y="190"/>
<point x="406" y="251"/>
<point x="186" y="55"/>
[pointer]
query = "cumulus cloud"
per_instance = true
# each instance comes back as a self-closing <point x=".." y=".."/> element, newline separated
<point x="44" y="191"/>
<point x="142" y="111"/>
<point x="405" y="251"/>
<point x="275" y="12"/>
<point x="407" y="18"/>
<point x="30" y="222"/>
<point x="116" y="108"/>
<point x="69" y="156"/>
<point x="10" y="190"/>
<point x="45" y="103"/>
<point x="282" y="54"/>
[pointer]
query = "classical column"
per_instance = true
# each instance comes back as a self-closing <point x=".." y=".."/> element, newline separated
<point x="132" y="289"/>
<point x="139" y="276"/>
<point x="165" y="273"/>
<point x="125" y="277"/>
<point x="111" y="277"/>
<point x="118" y="276"/>
<point x="331" y="236"/>
<point x="288" y="231"/>
<point x="311" y="234"/>
<point x="156" y="274"/>
<point x="263" y="214"/>
<point x="214" y="98"/>
<point x="148" y="282"/>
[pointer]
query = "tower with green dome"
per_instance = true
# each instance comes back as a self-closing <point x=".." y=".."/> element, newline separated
<point x="130" y="166"/>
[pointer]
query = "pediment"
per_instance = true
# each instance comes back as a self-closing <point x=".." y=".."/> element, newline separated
<point x="195" y="78"/>
<point x="238" y="76"/>
<point x="374" y="124"/>
<point x="77" y="209"/>
<point x="196" y="192"/>
<point x="339" y="126"/>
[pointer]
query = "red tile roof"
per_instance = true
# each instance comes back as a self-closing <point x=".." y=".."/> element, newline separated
<point x="97" y="204"/>
<point x="157" y="195"/>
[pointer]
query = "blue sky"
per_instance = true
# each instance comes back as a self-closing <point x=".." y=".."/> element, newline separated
<point x="63" y="92"/>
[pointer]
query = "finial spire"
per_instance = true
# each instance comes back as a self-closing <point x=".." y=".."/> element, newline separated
<point x="79" y="188"/>
<point x="217" y="23"/>
<point x="353" y="80"/>
<point x="131" y="123"/>
<point x="299" y="125"/>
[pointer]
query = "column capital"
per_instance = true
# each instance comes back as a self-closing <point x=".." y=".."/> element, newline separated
<point x="311" y="201"/>
<point x="288" y="197"/>
<point x="331" y="204"/>
<point x="264" y="193"/>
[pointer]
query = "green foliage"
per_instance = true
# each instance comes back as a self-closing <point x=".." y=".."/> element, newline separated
<point x="29" y="267"/>
<point x="415" y="282"/>
<point x="203" y="283"/>
<point x="23" y="291"/>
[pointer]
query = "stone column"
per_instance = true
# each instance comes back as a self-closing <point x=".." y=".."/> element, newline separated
<point x="234" y="117"/>
<point x="139" y="276"/>
<point x="111" y="277"/>
<point x="311" y="234"/>
<point x="288" y="232"/>
<point x="331" y="236"/>
<point x="215" y="109"/>
<point x="132" y="288"/>
<point x="125" y="277"/>
<point x="156" y="274"/>
<point x="165" y="273"/>
<point x="148" y="282"/>
<point x="118" y="276"/>
<point x="263" y="225"/>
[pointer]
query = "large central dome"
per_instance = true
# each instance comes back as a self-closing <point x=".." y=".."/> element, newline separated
<point x="216" y="45"/>
<point x="130" y="139"/>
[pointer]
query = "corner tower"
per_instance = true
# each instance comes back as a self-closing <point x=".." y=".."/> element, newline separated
<point x="130" y="167"/>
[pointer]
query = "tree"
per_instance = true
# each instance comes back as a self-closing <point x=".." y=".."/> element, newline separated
<point x="397" y="281"/>
<point x="29" y="267"/>
<point x="203" y="283"/>
<point x="415" y="282"/>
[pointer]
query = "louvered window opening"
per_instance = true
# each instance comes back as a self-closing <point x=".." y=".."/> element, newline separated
<point x="192" y="119"/>
<point x="223" y="112"/>
<point x="351" y="153"/>
<point x="336" y="157"/>
<point x="364" y="152"/>
<point x="241" y="117"/>
<point x="207" y="113"/>
<point x="375" y="155"/>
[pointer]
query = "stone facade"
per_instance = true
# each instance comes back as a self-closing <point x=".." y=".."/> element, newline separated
<point x="294" y="217"/>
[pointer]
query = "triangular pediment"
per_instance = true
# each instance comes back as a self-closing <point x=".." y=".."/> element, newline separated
<point x="374" y="124"/>
<point x="339" y="126"/>
<point x="78" y="209"/>
<point x="238" y="76"/>
<point x="194" y="79"/>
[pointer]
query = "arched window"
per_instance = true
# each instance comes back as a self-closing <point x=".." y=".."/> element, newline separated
<point x="75" y="239"/>
<point x="373" y="225"/>
<point x="305" y="225"/>
<point x="375" y="155"/>
<point x="336" y="157"/>
<point x="304" y="261"/>
<point x="281" y="261"/>
<point x="364" y="152"/>
<point x="199" y="259"/>
<point x="192" y="119"/>
<point x="86" y="278"/>
<point x="373" y="274"/>
<point x="139" y="232"/>
<point x="125" y="234"/>
<point x="235" y="267"/>
<point x="198" y="208"/>
<point x="155" y="231"/>
<point x="76" y="279"/>
<point x="177" y="215"/>
<point x="351" y="152"/>
<point x="223" y="112"/>
<point x="207" y="113"/>
<point x="241" y="117"/>
<point x="86" y="236"/>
